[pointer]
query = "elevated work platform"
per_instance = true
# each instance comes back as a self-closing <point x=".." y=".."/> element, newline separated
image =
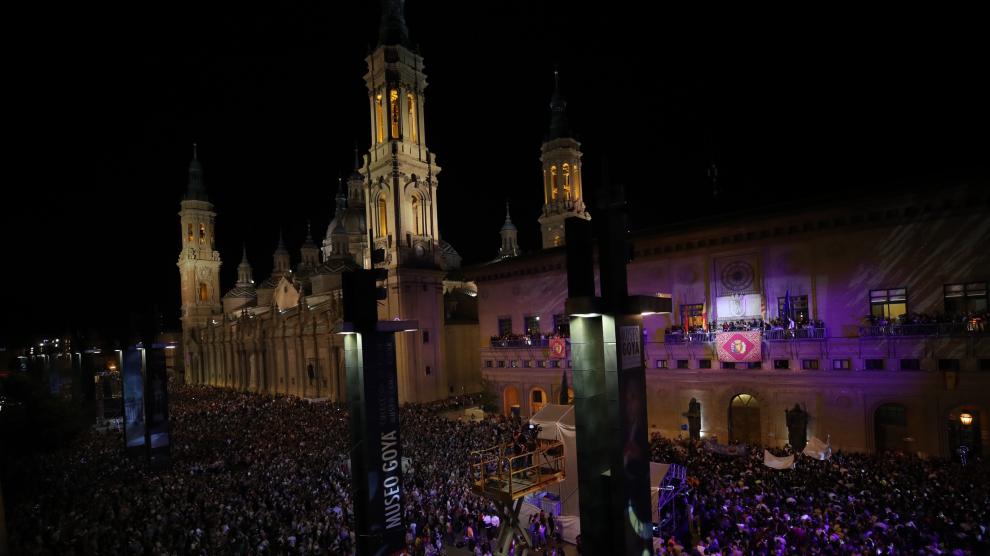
<point x="501" y="475"/>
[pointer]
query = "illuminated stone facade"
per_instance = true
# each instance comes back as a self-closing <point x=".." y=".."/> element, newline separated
<point x="280" y="336"/>
<point x="864" y="386"/>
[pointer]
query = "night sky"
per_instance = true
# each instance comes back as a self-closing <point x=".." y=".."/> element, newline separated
<point x="794" y="108"/>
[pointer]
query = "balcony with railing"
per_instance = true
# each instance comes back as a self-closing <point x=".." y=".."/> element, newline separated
<point x="807" y="333"/>
<point x="936" y="329"/>
<point x="522" y="341"/>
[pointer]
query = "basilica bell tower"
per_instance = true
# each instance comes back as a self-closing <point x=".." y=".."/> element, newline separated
<point x="563" y="197"/>
<point x="401" y="206"/>
<point x="199" y="261"/>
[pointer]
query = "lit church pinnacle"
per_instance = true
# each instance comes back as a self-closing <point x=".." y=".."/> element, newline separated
<point x="562" y="186"/>
<point x="510" y="245"/>
<point x="244" y="273"/>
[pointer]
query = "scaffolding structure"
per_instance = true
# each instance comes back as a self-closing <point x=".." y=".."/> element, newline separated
<point x="504" y="477"/>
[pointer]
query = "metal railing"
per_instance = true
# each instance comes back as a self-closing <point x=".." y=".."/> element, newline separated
<point x="796" y="334"/>
<point x="521" y="342"/>
<point x="782" y="334"/>
<point x="930" y="329"/>
<point x="496" y="470"/>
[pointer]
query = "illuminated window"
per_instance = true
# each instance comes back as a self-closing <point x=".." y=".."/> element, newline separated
<point x="190" y="233"/>
<point x="415" y="211"/>
<point x="556" y="241"/>
<point x="203" y="292"/>
<point x="553" y="183"/>
<point x="393" y="102"/>
<point x="888" y="304"/>
<point x="567" y="181"/>
<point x="202" y="233"/>
<point x="575" y="183"/>
<point x="545" y="195"/>
<point x="379" y="118"/>
<point x="382" y="218"/>
<point x="965" y="298"/>
<point x="504" y="326"/>
<point x="411" y="109"/>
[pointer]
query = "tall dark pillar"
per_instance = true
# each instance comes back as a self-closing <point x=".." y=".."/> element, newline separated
<point x="373" y="396"/>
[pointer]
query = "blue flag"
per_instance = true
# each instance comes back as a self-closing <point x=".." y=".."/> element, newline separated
<point x="787" y="304"/>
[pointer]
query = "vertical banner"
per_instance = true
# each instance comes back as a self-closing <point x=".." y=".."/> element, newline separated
<point x="637" y="514"/>
<point x="372" y="388"/>
<point x="134" y="423"/>
<point x="156" y="403"/>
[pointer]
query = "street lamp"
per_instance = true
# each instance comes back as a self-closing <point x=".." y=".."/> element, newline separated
<point x="966" y="419"/>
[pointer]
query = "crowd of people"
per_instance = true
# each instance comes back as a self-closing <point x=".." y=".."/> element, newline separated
<point x="971" y="321"/>
<point x="852" y="503"/>
<point x="255" y="474"/>
<point x="779" y="323"/>
<point x="249" y="474"/>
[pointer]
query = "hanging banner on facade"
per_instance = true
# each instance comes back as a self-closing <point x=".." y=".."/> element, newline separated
<point x="558" y="348"/>
<point x="741" y="346"/>
<point x="739" y="306"/>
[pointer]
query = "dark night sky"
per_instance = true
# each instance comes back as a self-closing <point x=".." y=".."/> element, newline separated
<point x="793" y="106"/>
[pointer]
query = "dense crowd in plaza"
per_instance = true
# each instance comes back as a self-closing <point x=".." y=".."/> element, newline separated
<point x="269" y="475"/>
<point x="852" y="503"/>
<point x="249" y="474"/>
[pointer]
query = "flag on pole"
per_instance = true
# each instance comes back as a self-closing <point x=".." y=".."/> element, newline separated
<point x="787" y="304"/>
<point x="775" y="462"/>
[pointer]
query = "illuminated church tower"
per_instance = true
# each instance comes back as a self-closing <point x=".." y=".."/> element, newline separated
<point x="562" y="188"/>
<point x="199" y="262"/>
<point x="401" y="207"/>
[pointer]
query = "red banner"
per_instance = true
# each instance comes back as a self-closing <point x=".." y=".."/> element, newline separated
<point x="558" y="348"/>
<point x="742" y="346"/>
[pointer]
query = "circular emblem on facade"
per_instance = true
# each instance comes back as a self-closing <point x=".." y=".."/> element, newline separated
<point x="737" y="276"/>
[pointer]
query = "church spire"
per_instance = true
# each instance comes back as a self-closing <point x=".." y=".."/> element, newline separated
<point x="510" y="245"/>
<point x="393" y="28"/>
<point x="244" y="272"/>
<point x="559" y="126"/>
<point x="281" y="256"/>
<point x="195" y="191"/>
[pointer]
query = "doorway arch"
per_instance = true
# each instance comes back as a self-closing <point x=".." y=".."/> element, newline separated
<point x="744" y="419"/>
<point x="537" y="399"/>
<point x="967" y="426"/>
<point x="890" y="429"/>
<point x="510" y="399"/>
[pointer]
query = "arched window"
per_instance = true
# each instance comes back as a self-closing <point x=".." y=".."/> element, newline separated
<point x="393" y="102"/>
<point x="545" y="195"/>
<point x="553" y="183"/>
<point x="416" y="219"/>
<point x="567" y="181"/>
<point x="411" y="109"/>
<point x="379" y="118"/>
<point x="190" y="233"/>
<point x="204" y="292"/>
<point x="382" y="217"/>
<point x="202" y="233"/>
<point x="575" y="182"/>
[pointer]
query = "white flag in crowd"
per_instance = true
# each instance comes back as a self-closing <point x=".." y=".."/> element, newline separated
<point x="775" y="462"/>
<point x="818" y="449"/>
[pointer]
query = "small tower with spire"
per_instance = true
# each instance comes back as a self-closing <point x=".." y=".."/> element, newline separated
<point x="309" y="252"/>
<point x="243" y="294"/>
<point x="281" y="259"/>
<point x="562" y="186"/>
<point x="199" y="262"/>
<point x="510" y="246"/>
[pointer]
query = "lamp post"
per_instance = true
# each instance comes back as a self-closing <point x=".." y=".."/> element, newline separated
<point x="609" y="389"/>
